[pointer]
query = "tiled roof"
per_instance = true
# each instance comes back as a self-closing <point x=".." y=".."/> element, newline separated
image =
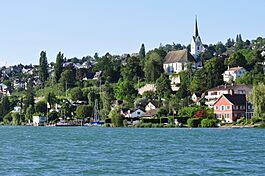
<point x="179" y="56"/>
<point x="150" y="113"/>
<point x="228" y="87"/>
<point x="234" y="69"/>
<point x="236" y="99"/>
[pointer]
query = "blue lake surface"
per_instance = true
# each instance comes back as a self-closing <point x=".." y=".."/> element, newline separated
<point x="124" y="151"/>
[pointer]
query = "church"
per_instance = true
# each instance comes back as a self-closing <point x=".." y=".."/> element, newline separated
<point x="177" y="61"/>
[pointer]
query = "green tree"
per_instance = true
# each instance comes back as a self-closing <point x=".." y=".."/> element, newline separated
<point x="229" y="43"/>
<point x="153" y="66"/>
<point x="258" y="99"/>
<point x="125" y="90"/>
<point x="15" y="118"/>
<point x="220" y="48"/>
<point x="163" y="86"/>
<point x="142" y="52"/>
<point x="30" y="94"/>
<point x="67" y="78"/>
<point x="51" y="99"/>
<point x="58" y="67"/>
<point x="76" y="94"/>
<point x="110" y="67"/>
<point x="239" y="42"/>
<point x="214" y="69"/>
<point x="236" y="59"/>
<point x="116" y="116"/>
<point x="6" y="107"/>
<point x="93" y="94"/>
<point x="29" y="113"/>
<point x="43" y="67"/>
<point x="41" y="107"/>
<point x="53" y="116"/>
<point x="84" y="111"/>
<point x="199" y="81"/>
<point x="132" y="70"/>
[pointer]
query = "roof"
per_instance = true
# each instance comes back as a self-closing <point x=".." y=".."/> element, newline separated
<point x="179" y="56"/>
<point x="155" y="103"/>
<point x="235" y="99"/>
<point x="150" y="113"/>
<point x="234" y="69"/>
<point x="228" y="87"/>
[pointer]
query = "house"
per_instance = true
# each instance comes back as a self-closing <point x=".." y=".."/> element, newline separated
<point x="133" y="113"/>
<point x="150" y="114"/>
<point x="197" y="97"/>
<point x="177" y="61"/>
<point x="97" y="75"/>
<point x="147" y="87"/>
<point x="39" y="120"/>
<point x="18" y="84"/>
<point x="231" y="74"/>
<point x="4" y="91"/>
<point x="151" y="106"/>
<point x="216" y="92"/>
<point x="230" y="107"/>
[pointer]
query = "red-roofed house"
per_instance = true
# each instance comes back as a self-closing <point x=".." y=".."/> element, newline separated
<point x="230" y="107"/>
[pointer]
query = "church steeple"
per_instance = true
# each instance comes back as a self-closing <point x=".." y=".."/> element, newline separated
<point x="196" y="43"/>
<point x="196" y="28"/>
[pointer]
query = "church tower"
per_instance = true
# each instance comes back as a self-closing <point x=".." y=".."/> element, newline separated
<point x="196" y="43"/>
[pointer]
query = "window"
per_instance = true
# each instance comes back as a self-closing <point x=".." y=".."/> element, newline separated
<point x="138" y="112"/>
<point x="227" y="116"/>
<point x="216" y="107"/>
<point x="182" y="66"/>
<point x="227" y="107"/>
<point x="236" y="107"/>
<point x="222" y="108"/>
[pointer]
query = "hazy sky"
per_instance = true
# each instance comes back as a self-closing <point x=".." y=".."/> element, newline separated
<point x="83" y="27"/>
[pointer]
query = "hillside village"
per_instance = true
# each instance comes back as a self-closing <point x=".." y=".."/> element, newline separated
<point x="172" y="85"/>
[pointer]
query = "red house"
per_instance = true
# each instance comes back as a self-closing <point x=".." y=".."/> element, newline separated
<point x="230" y="107"/>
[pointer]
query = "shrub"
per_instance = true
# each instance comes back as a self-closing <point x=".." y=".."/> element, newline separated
<point x="207" y="123"/>
<point x="201" y="114"/>
<point x="164" y="120"/>
<point x="151" y="120"/>
<point x="255" y="119"/>
<point x="182" y="120"/>
<point x="262" y="125"/>
<point x="108" y="120"/>
<point x="193" y="122"/>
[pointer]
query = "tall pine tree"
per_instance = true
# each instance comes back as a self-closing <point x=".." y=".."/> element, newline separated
<point x="43" y="67"/>
<point x="58" y="67"/>
<point x="142" y="52"/>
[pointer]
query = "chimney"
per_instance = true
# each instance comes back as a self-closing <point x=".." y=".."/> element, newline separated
<point x="231" y="91"/>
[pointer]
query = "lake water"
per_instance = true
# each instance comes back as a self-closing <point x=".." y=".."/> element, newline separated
<point x="122" y="151"/>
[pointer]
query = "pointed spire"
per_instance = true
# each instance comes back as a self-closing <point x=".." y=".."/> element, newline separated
<point x="196" y="28"/>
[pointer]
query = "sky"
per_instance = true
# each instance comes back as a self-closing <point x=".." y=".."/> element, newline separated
<point x="82" y="27"/>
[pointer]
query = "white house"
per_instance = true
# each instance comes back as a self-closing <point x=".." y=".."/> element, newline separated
<point x="217" y="92"/>
<point x="134" y="113"/>
<point x="231" y="74"/>
<point x="151" y="106"/>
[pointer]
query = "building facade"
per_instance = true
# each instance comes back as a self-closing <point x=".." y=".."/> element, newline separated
<point x="216" y="92"/>
<point x="231" y="74"/>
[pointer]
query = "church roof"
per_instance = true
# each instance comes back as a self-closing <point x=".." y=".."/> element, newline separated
<point x="179" y="56"/>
